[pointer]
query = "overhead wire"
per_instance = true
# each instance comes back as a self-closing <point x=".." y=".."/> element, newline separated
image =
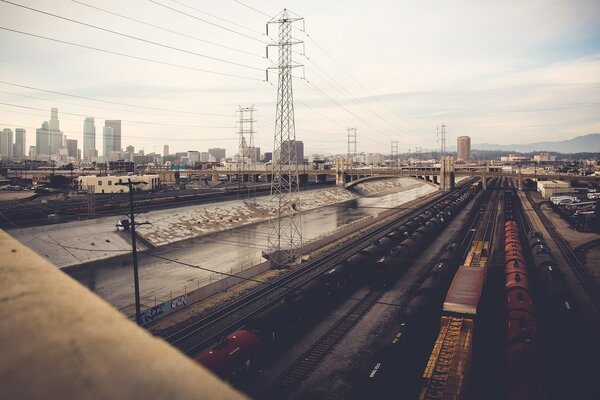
<point x="109" y="101"/>
<point x="219" y="18"/>
<point x="166" y="29"/>
<point x="129" y="55"/>
<point x="207" y="22"/>
<point x="361" y="85"/>
<point x="106" y="108"/>
<point x="142" y="123"/>
<point x="152" y="42"/>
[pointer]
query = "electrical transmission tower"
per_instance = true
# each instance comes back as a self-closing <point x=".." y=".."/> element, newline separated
<point x="442" y="139"/>
<point x="444" y="162"/>
<point x="285" y="237"/>
<point x="352" y="139"/>
<point x="247" y="151"/>
<point x="394" y="153"/>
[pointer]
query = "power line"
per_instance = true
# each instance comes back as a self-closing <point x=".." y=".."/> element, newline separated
<point x="355" y="99"/>
<point x="128" y="55"/>
<point x="253" y="9"/>
<point x="195" y="139"/>
<point x="124" y="120"/>
<point x="361" y="85"/>
<point x="166" y="29"/>
<point x="89" y="106"/>
<point x="108" y="101"/>
<point x="219" y="18"/>
<point x="205" y="21"/>
<point x="312" y="86"/>
<point x="166" y="46"/>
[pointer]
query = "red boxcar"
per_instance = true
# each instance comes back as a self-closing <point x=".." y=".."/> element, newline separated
<point x="231" y="354"/>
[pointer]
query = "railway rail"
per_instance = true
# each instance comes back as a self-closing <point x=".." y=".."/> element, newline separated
<point x="304" y="365"/>
<point x="202" y="333"/>
<point x="591" y="286"/>
<point x="299" y="370"/>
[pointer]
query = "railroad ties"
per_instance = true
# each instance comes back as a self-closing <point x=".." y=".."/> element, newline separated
<point x="305" y="365"/>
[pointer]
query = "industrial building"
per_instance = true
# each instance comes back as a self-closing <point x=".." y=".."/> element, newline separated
<point x="112" y="184"/>
<point x="552" y="188"/>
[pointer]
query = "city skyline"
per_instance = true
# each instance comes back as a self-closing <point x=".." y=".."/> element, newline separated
<point x="503" y="73"/>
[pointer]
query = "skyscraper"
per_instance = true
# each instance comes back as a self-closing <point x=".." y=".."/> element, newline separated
<point x="89" y="138"/>
<point x="291" y="151"/>
<point x="115" y="124"/>
<point x="108" y="137"/>
<point x="6" y="143"/>
<point x="166" y="150"/>
<point x="55" y="141"/>
<point x="42" y="139"/>
<point x="463" y="148"/>
<point x="217" y="153"/>
<point x="19" y="148"/>
<point x="72" y="148"/>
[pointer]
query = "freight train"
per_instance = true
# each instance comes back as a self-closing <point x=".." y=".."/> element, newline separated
<point x="396" y="364"/>
<point x="448" y="365"/>
<point x="522" y="365"/>
<point x="379" y="264"/>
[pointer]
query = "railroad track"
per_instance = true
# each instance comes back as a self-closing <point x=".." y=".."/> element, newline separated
<point x="202" y="333"/>
<point x="299" y="370"/>
<point x="589" y="283"/>
<point x="295" y="374"/>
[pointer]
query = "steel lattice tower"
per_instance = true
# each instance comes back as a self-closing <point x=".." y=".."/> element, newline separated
<point x="394" y="153"/>
<point x="285" y="237"/>
<point x="352" y="139"/>
<point x="442" y="140"/>
<point x="246" y="132"/>
<point x="443" y="161"/>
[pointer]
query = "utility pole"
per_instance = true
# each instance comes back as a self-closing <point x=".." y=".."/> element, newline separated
<point x="136" y="280"/>
<point x="285" y="237"/>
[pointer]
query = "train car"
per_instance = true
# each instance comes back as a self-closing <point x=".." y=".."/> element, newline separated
<point x="233" y="354"/>
<point x="448" y="365"/>
<point x="522" y="364"/>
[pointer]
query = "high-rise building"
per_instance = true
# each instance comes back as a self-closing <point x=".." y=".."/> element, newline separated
<point x="108" y="138"/>
<point x="19" y="148"/>
<point x="42" y="139"/>
<point x="217" y="153"/>
<point x="6" y="143"/>
<point x="116" y="125"/>
<point x="292" y="151"/>
<point x="72" y="147"/>
<point x="166" y="150"/>
<point x="89" y="137"/>
<point x="463" y="148"/>
<point x="55" y="140"/>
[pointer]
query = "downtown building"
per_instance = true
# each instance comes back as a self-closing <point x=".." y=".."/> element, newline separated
<point x="89" y="139"/>
<point x="292" y="152"/>
<point x="463" y="148"/>
<point x="6" y="144"/>
<point x="217" y="153"/>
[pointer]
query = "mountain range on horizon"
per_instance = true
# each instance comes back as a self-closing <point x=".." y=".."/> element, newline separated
<point x="586" y="143"/>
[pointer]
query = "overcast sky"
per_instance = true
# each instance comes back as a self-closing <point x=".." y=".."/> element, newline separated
<point x="501" y="72"/>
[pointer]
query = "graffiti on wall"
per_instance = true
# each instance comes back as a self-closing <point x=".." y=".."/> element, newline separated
<point x="160" y="310"/>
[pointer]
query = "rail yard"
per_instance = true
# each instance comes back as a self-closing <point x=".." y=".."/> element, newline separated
<point x="446" y="299"/>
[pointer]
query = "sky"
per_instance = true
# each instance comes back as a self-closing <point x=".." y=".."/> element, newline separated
<point x="501" y="72"/>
